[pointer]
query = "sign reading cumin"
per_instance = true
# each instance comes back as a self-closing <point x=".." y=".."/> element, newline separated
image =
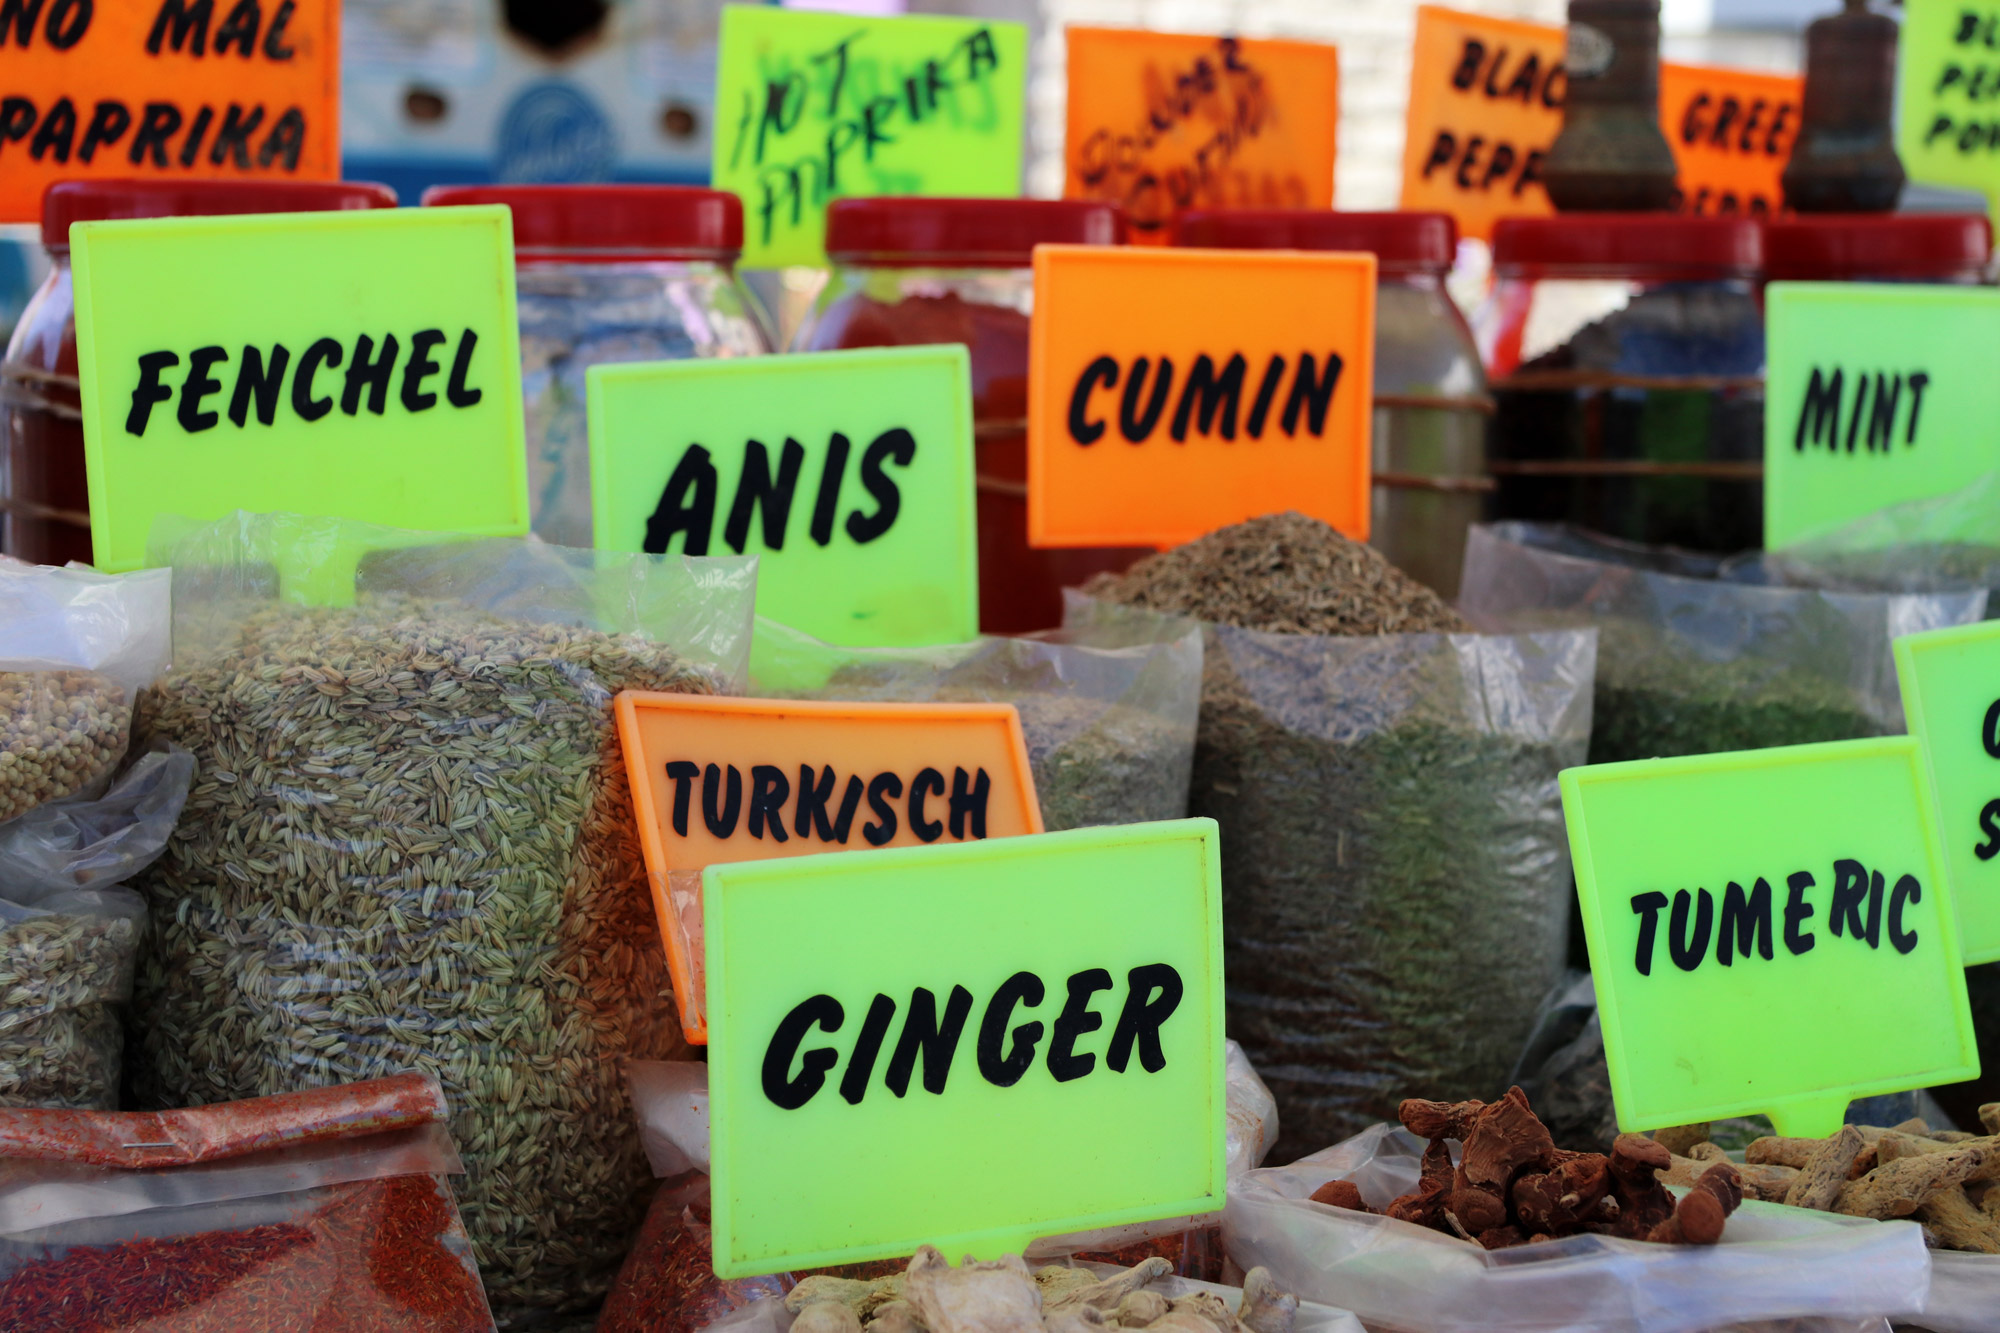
<point x="1051" y="1002"/>
<point x="1770" y="931"/>
<point x="165" y="89"/>
<point x="1162" y="121"/>
<point x="811" y="107"/>
<point x="358" y="365"/>
<point x="1877" y="394"/>
<point x="718" y="780"/>
<point x="1173" y="392"/>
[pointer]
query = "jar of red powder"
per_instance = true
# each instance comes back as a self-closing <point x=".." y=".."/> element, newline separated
<point x="44" y="504"/>
<point x="910" y="271"/>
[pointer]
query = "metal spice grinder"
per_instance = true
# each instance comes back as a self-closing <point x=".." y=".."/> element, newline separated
<point x="1844" y="160"/>
<point x="1611" y="155"/>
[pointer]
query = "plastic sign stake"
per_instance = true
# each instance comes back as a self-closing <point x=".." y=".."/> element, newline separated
<point x="162" y="90"/>
<point x="1947" y="130"/>
<point x="1162" y="121"/>
<point x="848" y="474"/>
<point x="1770" y="931"/>
<point x="1951" y="697"/>
<point x="357" y="365"/>
<point x="812" y="107"/>
<point x="968" y="1045"/>
<point x="717" y="780"/>
<point x="1173" y="392"/>
<point x="1877" y="393"/>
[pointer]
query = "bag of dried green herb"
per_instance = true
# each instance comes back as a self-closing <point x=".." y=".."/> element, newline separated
<point x="1692" y="663"/>
<point x="1395" y="874"/>
<point x="411" y="846"/>
<point x="76" y="645"/>
<point x="1108" y="707"/>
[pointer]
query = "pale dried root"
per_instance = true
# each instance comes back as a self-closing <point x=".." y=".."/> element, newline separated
<point x="1950" y="1216"/>
<point x="1898" y="1188"/>
<point x="1826" y="1172"/>
<point x="1680" y="1140"/>
<point x="1989" y="1116"/>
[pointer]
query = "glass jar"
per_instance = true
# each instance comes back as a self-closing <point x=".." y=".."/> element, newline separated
<point x="909" y="271"/>
<point x="1950" y="248"/>
<point x="1431" y="404"/>
<point x="44" y="501"/>
<point x="610" y="273"/>
<point x="1626" y="355"/>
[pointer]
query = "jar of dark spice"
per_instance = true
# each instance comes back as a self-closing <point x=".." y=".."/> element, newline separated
<point x="910" y="271"/>
<point x="1951" y="248"/>
<point x="1431" y="404"/>
<point x="1626" y="353"/>
<point x="44" y="502"/>
<point x="609" y="273"/>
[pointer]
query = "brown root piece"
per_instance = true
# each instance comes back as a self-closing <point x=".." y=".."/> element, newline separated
<point x="827" y="1317"/>
<point x="1506" y="1139"/>
<point x="1894" y="1147"/>
<point x="1562" y="1200"/>
<point x="1989" y="1116"/>
<point x="1954" y="1135"/>
<point x="1643" y="1202"/>
<point x="1476" y="1209"/>
<point x="1702" y="1212"/>
<point x="1707" y="1152"/>
<point x="1826" y="1172"/>
<point x="1916" y="1125"/>
<point x="1898" y="1188"/>
<point x="1950" y="1216"/>
<point x="1438" y="1120"/>
<point x="1341" y="1194"/>
<point x="1425" y="1207"/>
<point x="1502" y="1238"/>
<point x="1680" y="1140"/>
<point x="1769" y="1183"/>
<point x="1106" y="1294"/>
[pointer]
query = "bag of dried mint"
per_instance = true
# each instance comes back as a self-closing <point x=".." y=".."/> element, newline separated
<point x="410" y="845"/>
<point x="1395" y="874"/>
<point x="74" y="647"/>
<point x="1108" y="709"/>
<point x="1692" y="663"/>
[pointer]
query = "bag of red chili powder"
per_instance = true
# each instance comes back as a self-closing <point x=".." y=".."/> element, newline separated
<point x="309" y="1212"/>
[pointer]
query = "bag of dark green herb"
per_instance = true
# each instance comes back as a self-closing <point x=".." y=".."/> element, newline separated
<point x="1690" y="662"/>
<point x="410" y="845"/>
<point x="1108" y="709"/>
<point x="1395" y="874"/>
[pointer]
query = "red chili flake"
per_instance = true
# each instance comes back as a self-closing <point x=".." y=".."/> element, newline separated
<point x="668" y="1283"/>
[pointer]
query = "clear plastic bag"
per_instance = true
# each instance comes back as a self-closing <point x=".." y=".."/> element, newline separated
<point x="1773" y="1263"/>
<point x="1691" y="663"/>
<point x="411" y="846"/>
<point x="322" y="1212"/>
<point x="74" y="647"/>
<point x="1965" y="1293"/>
<point x="1394" y="868"/>
<point x="1108" y="704"/>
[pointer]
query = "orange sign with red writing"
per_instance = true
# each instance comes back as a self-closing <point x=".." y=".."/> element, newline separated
<point x="1486" y="98"/>
<point x="1162" y="121"/>
<point x="165" y="89"/>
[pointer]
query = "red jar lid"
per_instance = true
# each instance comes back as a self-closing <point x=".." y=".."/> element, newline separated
<point x="97" y="201"/>
<point x="608" y="223"/>
<point x="1854" y="246"/>
<point x="1659" y="246"/>
<point x="1400" y="242"/>
<point x="911" y="232"/>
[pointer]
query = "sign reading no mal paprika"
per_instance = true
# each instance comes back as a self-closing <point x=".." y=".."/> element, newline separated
<point x="165" y="89"/>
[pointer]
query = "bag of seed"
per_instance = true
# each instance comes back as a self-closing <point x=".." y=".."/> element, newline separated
<point x="318" y="1212"/>
<point x="1108" y="708"/>
<point x="411" y="846"/>
<point x="1690" y="663"/>
<point x="1394" y="871"/>
<point x="74" y="647"/>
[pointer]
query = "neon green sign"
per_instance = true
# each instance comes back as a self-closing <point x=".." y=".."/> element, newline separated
<point x="1948" y="55"/>
<point x="1951" y="697"/>
<point x="356" y="365"/>
<point x="1876" y="393"/>
<point x="1770" y="931"/>
<point x="969" y="1045"/>
<point x="848" y="474"/>
<point x="812" y="107"/>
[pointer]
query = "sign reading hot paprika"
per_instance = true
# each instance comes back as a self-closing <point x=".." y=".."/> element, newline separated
<point x="1770" y="931"/>
<point x="356" y="365"/>
<point x="717" y="780"/>
<point x="165" y="89"/>
<point x="1951" y="698"/>
<point x="1159" y="122"/>
<point x="1173" y="392"/>
<point x="969" y="1045"/>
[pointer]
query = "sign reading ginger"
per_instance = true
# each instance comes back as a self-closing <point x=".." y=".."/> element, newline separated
<point x="1160" y="122"/>
<point x="165" y="89"/>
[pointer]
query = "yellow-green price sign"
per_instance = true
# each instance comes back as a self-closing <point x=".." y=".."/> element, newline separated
<point x="1951" y="698"/>
<point x="355" y="365"/>
<point x="1770" y="931"/>
<point x="812" y="107"/>
<point x="1876" y="394"/>
<point x="847" y="474"/>
<point x="969" y="1045"/>
<point x="1947" y="131"/>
